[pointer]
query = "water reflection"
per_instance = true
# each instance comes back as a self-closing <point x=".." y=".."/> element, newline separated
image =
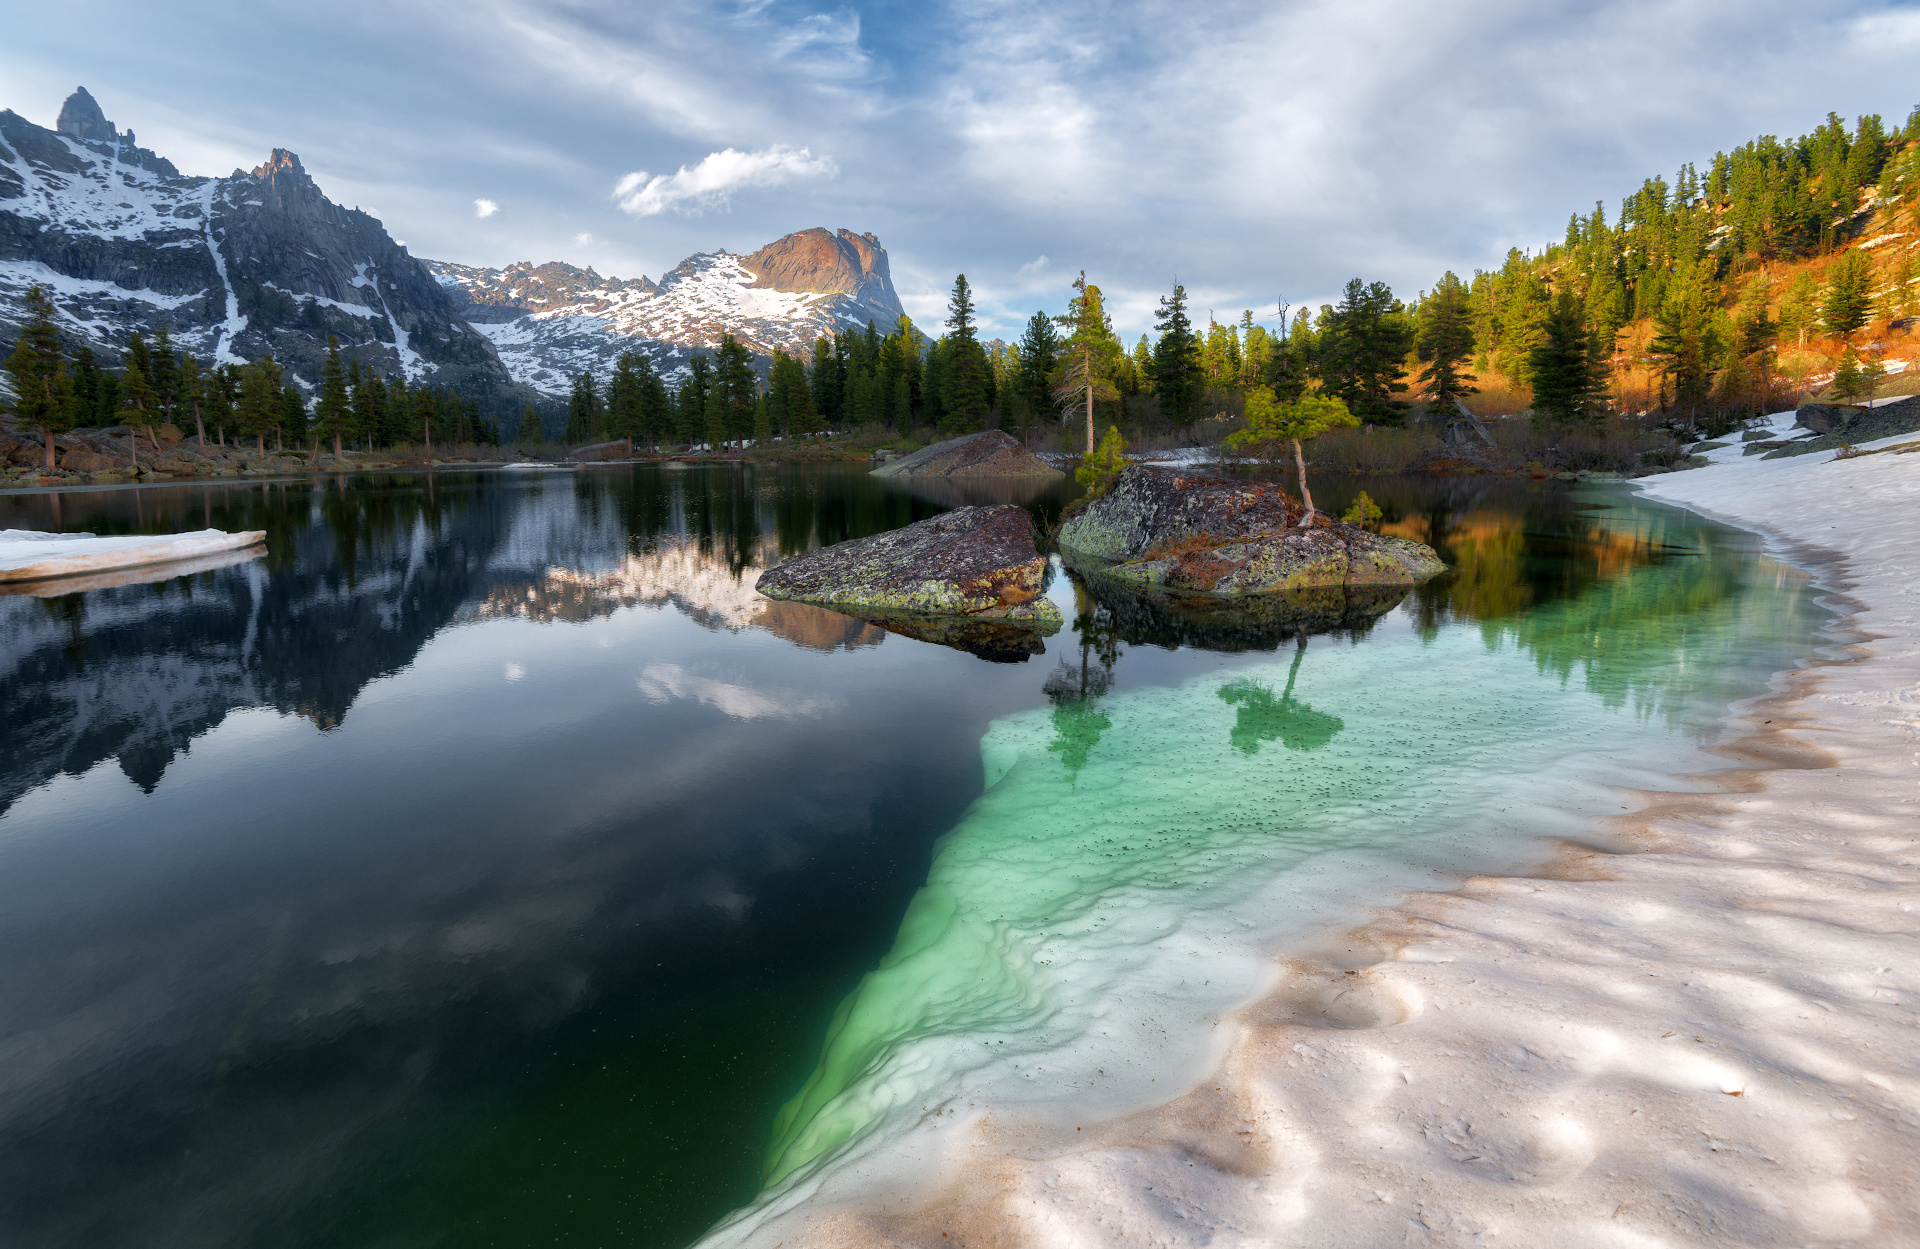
<point x="1260" y="717"/>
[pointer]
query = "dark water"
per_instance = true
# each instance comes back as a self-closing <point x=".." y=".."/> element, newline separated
<point x="482" y="865"/>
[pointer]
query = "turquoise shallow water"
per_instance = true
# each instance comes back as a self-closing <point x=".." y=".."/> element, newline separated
<point x="487" y="864"/>
<point x="1138" y="857"/>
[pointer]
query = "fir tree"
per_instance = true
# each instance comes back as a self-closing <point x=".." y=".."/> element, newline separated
<point x="164" y="374"/>
<point x="258" y="411"/>
<point x="691" y="402"/>
<point x="137" y="405"/>
<point x="966" y="383"/>
<point x="1176" y="372"/>
<point x="333" y="414"/>
<point x="1363" y="350"/>
<point x="192" y="394"/>
<point x="85" y="401"/>
<point x="293" y="417"/>
<point x="1445" y="345"/>
<point x="37" y="368"/>
<point x="531" y="432"/>
<point x="735" y="388"/>
<point x="1849" y="297"/>
<point x="1562" y="380"/>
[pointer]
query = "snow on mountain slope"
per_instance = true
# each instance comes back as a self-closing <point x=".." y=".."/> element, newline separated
<point x="235" y="268"/>
<point x="554" y="321"/>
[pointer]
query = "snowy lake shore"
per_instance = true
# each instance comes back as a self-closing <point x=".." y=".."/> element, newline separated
<point x="1698" y="1026"/>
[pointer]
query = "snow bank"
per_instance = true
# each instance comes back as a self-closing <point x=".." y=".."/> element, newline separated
<point x="28" y="556"/>
<point x="1711" y="1041"/>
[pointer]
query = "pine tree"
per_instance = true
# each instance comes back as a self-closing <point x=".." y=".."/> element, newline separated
<point x="332" y="415"/>
<point x="734" y="388"/>
<point x="259" y="407"/>
<point x="530" y="431"/>
<point x="966" y="384"/>
<point x="1849" y="296"/>
<point x="692" y="400"/>
<point x="1363" y="351"/>
<point x="37" y="367"/>
<point x="1445" y="344"/>
<point x="84" y="400"/>
<point x="1089" y="353"/>
<point x="192" y="394"/>
<point x="624" y="417"/>
<point x="1562" y="381"/>
<point x="164" y="374"/>
<point x="1848" y="381"/>
<point x="1177" y="373"/>
<point x="137" y="405"/>
<point x="584" y="411"/>
<point x="369" y="408"/>
<point x="293" y="417"/>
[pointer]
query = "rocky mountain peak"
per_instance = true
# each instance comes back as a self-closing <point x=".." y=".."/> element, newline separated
<point x="821" y="262"/>
<point x="82" y="118"/>
<point x="284" y="173"/>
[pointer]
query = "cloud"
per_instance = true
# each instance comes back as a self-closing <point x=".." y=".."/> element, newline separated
<point x="1033" y="267"/>
<point x="710" y="183"/>
<point x="667" y="682"/>
<point x="582" y="239"/>
<point x="484" y="208"/>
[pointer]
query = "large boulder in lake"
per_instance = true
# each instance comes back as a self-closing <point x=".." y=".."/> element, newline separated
<point x="1165" y="529"/>
<point x="977" y="563"/>
<point x="990" y="454"/>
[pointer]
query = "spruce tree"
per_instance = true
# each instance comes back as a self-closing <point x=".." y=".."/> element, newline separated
<point x="37" y="367"/>
<point x="293" y="417"/>
<point x="1039" y="357"/>
<point x="624" y="418"/>
<point x="333" y="414"/>
<point x="736" y="387"/>
<point x="966" y="384"/>
<point x="1562" y="382"/>
<point x="193" y="394"/>
<point x="1445" y="344"/>
<point x="1363" y="350"/>
<point x="530" y="431"/>
<point x="259" y="406"/>
<point x="1177" y="379"/>
<point x="1849" y="298"/>
<point x="164" y="374"/>
<point x="137" y="405"/>
<point x="84" y="400"/>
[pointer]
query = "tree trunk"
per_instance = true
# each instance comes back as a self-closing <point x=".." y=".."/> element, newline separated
<point x="336" y="446"/>
<point x="260" y="444"/>
<point x="1299" y="461"/>
<point x="1088" y="358"/>
<point x="46" y="436"/>
<point x="199" y="426"/>
<point x="153" y="437"/>
<point x="279" y="442"/>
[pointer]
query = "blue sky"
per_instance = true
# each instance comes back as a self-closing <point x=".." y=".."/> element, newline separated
<point x="1253" y="151"/>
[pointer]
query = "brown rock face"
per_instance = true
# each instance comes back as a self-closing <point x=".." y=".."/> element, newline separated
<point x="841" y="264"/>
<point x="990" y="454"/>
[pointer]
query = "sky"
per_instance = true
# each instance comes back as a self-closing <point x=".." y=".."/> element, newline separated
<point x="1254" y="152"/>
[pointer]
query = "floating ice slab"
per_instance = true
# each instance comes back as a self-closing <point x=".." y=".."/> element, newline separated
<point x="26" y="555"/>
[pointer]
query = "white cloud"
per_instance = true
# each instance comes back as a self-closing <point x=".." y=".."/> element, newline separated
<point x="484" y="208"/>
<point x="582" y="240"/>
<point x="1033" y="267"/>
<point x="667" y="682"/>
<point x="710" y="183"/>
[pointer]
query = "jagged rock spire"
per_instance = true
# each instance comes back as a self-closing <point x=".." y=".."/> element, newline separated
<point x="81" y="117"/>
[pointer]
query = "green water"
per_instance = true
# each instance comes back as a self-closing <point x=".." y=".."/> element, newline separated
<point x="1137" y="856"/>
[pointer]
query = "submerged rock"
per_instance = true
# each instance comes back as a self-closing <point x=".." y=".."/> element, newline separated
<point x="979" y="563"/>
<point x="990" y="454"/>
<point x="1206" y="535"/>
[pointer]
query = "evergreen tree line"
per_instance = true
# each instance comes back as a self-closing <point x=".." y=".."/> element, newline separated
<point x="157" y="384"/>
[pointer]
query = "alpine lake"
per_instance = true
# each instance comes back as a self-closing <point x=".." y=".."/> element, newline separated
<point x="486" y="863"/>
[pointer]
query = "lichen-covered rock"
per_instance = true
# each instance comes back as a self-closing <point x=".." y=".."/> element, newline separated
<point x="1206" y="535"/>
<point x="977" y="562"/>
<point x="989" y="454"/>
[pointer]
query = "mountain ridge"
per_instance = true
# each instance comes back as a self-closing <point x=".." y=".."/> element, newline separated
<point x="262" y="261"/>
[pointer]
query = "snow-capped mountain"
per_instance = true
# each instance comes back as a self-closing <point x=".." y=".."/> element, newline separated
<point x="262" y="262"/>
<point x="553" y="321"/>
<point x="234" y="267"/>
